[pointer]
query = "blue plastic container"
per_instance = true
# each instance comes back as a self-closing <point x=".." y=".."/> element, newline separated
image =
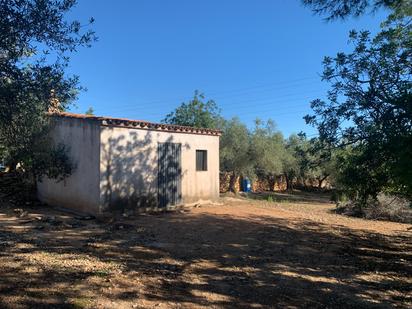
<point x="246" y="185"/>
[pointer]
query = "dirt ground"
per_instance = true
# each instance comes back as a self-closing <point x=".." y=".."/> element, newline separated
<point x="238" y="254"/>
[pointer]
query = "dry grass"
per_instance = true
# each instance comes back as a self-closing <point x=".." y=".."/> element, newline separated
<point x="239" y="254"/>
<point x="386" y="208"/>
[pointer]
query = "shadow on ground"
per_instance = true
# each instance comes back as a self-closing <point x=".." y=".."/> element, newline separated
<point x="201" y="259"/>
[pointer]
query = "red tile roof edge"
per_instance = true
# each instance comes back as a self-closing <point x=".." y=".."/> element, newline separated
<point x="139" y="124"/>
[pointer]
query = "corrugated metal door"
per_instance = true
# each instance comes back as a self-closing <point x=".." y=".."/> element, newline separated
<point x="169" y="174"/>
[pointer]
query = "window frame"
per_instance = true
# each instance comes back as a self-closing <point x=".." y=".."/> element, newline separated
<point x="204" y="162"/>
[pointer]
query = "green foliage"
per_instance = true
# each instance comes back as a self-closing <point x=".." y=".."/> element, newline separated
<point x="259" y="152"/>
<point x="291" y="161"/>
<point x="370" y="110"/>
<point x="196" y="113"/>
<point x="264" y="152"/>
<point x="335" y="9"/>
<point x="235" y="150"/>
<point x="267" y="148"/>
<point x="320" y="161"/>
<point x="90" y="111"/>
<point x="53" y="163"/>
<point x="308" y="159"/>
<point x="35" y="40"/>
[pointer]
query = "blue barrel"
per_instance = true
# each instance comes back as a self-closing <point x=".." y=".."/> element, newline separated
<point x="246" y="184"/>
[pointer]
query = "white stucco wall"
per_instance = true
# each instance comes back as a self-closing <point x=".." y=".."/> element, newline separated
<point x="80" y="191"/>
<point x="128" y="163"/>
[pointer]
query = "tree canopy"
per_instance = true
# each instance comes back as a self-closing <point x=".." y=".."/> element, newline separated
<point x="261" y="151"/>
<point x="195" y="113"/>
<point x="90" y="111"/>
<point x="235" y="150"/>
<point x="335" y="9"/>
<point x="267" y="148"/>
<point x="35" y="42"/>
<point x="369" y="108"/>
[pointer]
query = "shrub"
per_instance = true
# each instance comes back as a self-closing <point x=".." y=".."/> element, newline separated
<point x="385" y="207"/>
<point x="339" y="196"/>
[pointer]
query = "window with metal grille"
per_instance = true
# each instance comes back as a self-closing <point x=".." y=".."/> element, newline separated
<point x="201" y="160"/>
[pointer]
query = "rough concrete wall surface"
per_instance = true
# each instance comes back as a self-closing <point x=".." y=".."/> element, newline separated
<point x="128" y="166"/>
<point x="81" y="190"/>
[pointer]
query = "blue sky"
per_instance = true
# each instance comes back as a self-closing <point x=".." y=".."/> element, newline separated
<point x="254" y="58"/>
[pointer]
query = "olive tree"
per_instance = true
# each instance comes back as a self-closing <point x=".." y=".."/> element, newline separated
<point x="196" y="113"/>
<point x="369" y="108"/>
<point x="36" y="40"/>
<point x="235" y="150"/>
<point x="267" y="149"/>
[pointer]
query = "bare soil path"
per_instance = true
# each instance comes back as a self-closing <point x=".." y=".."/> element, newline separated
<point x="240" y="254"/>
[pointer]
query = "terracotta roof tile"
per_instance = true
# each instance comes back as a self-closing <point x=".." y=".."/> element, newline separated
<point x="139" y="124"/>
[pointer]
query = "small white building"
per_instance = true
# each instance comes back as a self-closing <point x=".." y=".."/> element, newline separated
<point x="139" y="165"/>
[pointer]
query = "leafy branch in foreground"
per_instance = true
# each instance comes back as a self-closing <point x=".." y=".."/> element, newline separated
<point x="369" y="110"/>
<point x="340" y="9"/>
<point x="35" y="41"/>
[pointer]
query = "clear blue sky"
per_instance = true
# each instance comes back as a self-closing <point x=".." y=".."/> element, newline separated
<point x="254" y="58"/>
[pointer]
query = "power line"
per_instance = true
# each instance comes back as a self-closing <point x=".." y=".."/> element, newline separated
<point x="275" y="113"/>
<point x="255" y="107"/>
<point x="273" y="86"/>
<point x="241" y="104"/>
<point x="269" y="87"/>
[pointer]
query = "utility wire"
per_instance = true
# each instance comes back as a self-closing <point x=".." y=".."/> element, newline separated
<point x="240" y="104"/>
<point x="273" y="86"/>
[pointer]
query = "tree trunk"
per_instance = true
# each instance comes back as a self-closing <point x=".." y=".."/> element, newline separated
<point x="272" y="182"/>
<point x="303" y="182"/>
<point x="232" y="183"/>
<point x="321" y="180"/>
<point x="12" y="166"/>
<point x="289" y="184"/>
